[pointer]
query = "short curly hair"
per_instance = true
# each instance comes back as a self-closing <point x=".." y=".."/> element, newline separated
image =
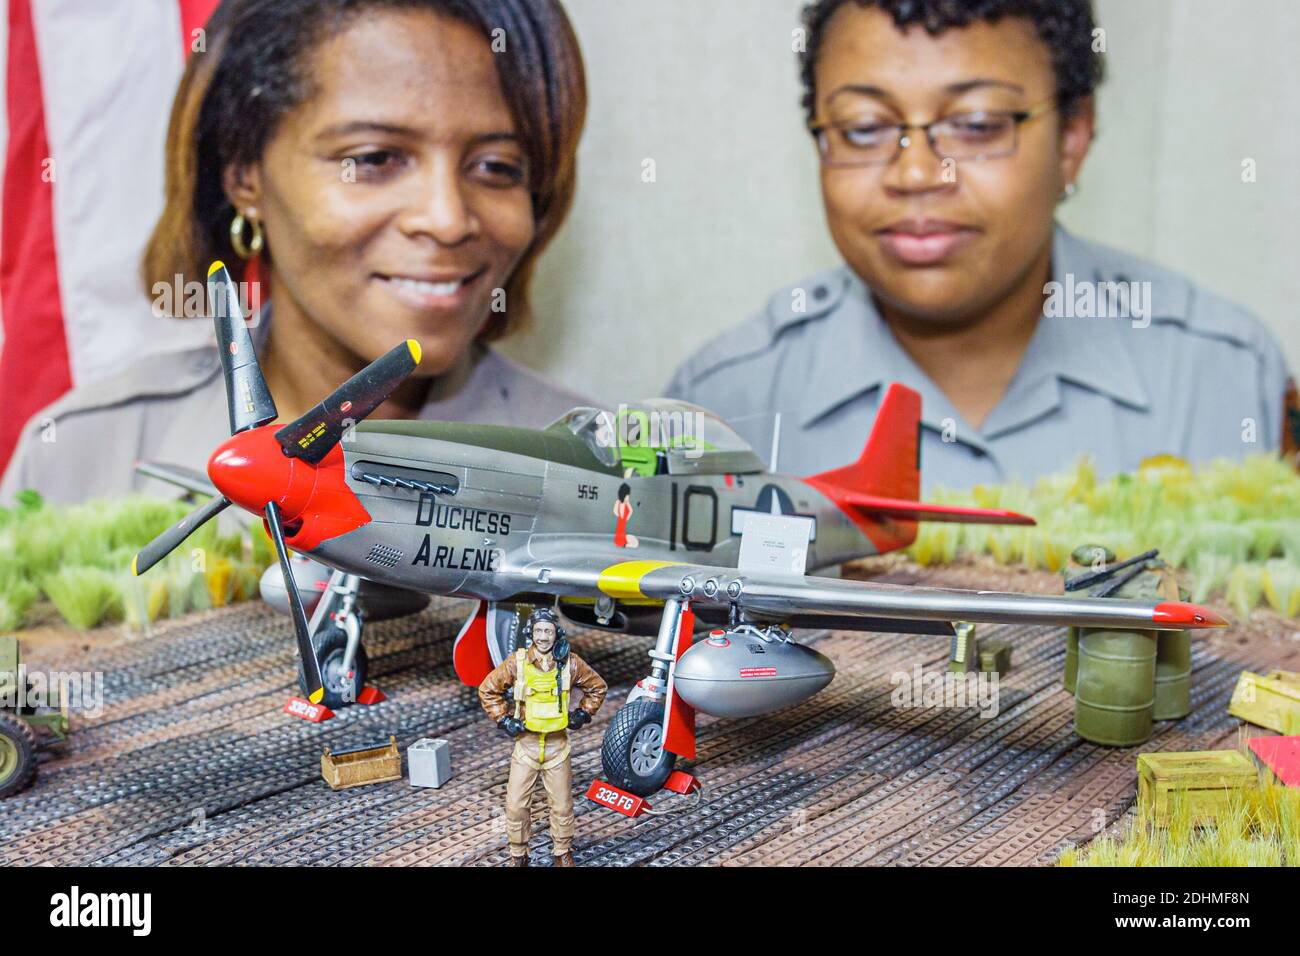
<point x="1065" y="26"/>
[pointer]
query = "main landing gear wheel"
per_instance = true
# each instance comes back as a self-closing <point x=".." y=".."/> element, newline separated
<point x="341" y="689"/>
<point x="633" y="754"/>
<point x="17" y="755"/>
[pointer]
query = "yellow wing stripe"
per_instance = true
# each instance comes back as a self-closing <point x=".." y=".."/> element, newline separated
<point x="623" y="580"/>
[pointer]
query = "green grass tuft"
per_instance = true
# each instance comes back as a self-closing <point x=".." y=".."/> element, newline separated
<point x="1234" y="526"/>
<point x="85" y="596"/>
<point x="1260" y="827"/>
<point x="80" y="558"/>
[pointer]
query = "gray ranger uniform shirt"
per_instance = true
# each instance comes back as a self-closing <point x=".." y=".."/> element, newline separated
<point x="1178" y="371"/>
<point x="171" y="407"/>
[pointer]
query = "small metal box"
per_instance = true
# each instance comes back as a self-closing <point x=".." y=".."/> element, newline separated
<point x="429" y="762"/>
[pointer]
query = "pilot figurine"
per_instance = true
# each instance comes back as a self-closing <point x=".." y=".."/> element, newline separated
<point x="542" y="676"/>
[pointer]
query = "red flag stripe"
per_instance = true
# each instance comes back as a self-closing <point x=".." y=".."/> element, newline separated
<point x="194" y="14"/>
<point x="34" y="366"/>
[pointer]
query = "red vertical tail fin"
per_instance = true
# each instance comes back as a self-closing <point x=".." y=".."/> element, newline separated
<point x="890" y="464"/>
<point x="879" y="491"/>
<point x="889" y="467"/>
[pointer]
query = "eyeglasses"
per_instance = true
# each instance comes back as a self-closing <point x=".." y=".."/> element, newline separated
<point x="986" y="134"/>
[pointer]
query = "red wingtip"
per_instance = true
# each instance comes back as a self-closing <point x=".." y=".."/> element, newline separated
<point x="1187" y="615"/>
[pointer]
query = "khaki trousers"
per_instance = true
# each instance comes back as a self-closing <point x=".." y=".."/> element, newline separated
<point x="525" y="768"/>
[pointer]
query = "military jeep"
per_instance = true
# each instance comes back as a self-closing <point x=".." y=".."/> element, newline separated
<point x="20" y="722"/>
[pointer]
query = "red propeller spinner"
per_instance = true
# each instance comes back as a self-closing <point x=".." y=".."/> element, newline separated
<point x="314" y="500"/>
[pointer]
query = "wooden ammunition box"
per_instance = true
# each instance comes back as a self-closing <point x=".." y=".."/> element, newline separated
<point x="355" y="768"/>
<point x="1200" y="783"/>
<point x="1267" y="702"/>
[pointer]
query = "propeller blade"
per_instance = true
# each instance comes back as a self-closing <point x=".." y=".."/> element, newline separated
<point x="247" y="396"/>
<point x="311" y="437"/>
<point x="167" y="542"/>
<point x="310" y="665"/>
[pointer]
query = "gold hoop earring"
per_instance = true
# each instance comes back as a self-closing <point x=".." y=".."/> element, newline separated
<point x="254" y="245"/>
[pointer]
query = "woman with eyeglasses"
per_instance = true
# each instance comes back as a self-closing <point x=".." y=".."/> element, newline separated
<point x="947" y="135"/>
<point x="378" y="170"/>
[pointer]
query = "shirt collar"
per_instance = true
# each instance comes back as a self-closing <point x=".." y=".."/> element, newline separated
<point x="535" y="658"/>
<point x="857" y="353"/>
<point x="1092" y="352"/>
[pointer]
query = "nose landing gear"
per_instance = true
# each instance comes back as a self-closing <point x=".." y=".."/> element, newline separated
<point x="655" y="726"/>
<point x="335" y="629"/>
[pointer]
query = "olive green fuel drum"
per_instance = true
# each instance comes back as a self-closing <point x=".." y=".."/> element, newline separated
<point x="1114" y="701"/>
<point x="1173" y="675"/>
<point x="1124" y="680"/>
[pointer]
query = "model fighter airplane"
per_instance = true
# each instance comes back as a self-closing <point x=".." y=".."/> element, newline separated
<point x="623" y="531"/>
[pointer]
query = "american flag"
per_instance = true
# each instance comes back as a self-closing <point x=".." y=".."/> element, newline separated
<point x="87" y="87"/>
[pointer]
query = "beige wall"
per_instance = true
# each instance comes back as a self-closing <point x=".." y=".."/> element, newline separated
<point x="646" y="272"/>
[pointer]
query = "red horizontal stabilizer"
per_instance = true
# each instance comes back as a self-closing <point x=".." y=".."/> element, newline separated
<point x="922" y="511"/>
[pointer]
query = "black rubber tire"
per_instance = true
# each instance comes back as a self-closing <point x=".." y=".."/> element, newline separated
<point x="616" y="750"/>
<point x="330" y="646"/>
<point x="18" y="734"/>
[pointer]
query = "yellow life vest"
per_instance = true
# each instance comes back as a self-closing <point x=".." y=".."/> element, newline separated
<point x="541" y="696"/>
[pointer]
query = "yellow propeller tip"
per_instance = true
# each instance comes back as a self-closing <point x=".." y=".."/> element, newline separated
<point x="317" y="696"/>
<point x="215" y="266"/>
<point x="414" y="346"/>
<point x="134" y="559"/>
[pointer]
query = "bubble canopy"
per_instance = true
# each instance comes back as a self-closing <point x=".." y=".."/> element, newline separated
<point x="661" y="436"/>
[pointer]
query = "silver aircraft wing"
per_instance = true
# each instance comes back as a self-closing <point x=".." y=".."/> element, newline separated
<point x="778" y="595"/>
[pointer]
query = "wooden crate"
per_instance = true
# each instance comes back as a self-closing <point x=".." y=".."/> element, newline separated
<point x="1203" y="781"/>
<point x="355" y="768"/>
<point x="1267" y="702"/>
